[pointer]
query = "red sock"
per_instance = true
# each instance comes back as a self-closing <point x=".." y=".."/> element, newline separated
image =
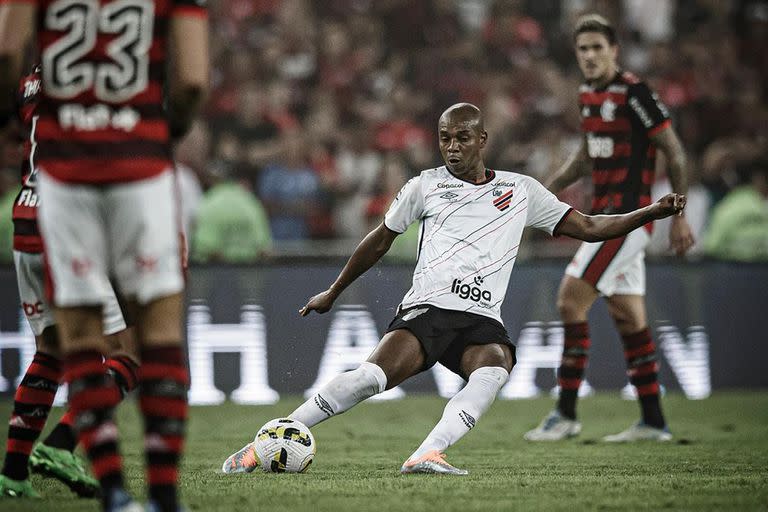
<point x="123" y="370"/>
<point x="643" y="373"/>
<point x="163" y="380"/>
<point x="571" y="371"/>
<point x="92" y="400"/>
<point x="31" y="406"/>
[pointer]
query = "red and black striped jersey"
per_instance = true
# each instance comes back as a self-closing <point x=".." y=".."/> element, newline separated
<point x="26" y="236"/>
<point x="101" y="115"/>
<point x="618" y="121"/>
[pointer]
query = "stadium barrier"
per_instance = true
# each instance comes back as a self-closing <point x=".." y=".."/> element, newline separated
<point x="246" y="340"/>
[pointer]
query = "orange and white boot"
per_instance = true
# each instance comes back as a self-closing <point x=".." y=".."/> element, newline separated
<point x="432" y="462"/>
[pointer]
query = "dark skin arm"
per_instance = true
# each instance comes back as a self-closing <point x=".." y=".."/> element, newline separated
<point x="577" y="166"/>
<point x="680" y="235"/>
<point x="367" y="253"/>
<point x="596" y="228"/>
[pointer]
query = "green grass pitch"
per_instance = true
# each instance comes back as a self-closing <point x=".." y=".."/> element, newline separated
<point x="718" y="461"/>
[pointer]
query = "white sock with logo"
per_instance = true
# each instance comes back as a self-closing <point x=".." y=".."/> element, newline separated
<point x="341" y="393"/>
<point x="464" y="409"/>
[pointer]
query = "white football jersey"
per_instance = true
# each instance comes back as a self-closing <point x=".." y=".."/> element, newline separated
<point x="470" y="235"/>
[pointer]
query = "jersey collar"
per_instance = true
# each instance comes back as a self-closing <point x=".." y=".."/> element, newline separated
<point x="490" y="174"/>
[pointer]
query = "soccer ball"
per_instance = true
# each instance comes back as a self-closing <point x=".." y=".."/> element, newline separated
<point x="283" y="445"/>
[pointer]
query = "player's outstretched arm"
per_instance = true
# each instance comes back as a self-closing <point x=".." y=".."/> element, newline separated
<point x="577" y="166"/>
<point x="596" y="228"/>
<point x="367" y="253"/>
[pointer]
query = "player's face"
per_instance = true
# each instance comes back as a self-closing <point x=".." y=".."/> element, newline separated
<point x="596" y="56"/>
<point x="460" y="145"/>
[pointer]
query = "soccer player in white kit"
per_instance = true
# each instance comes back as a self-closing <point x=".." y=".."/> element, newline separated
<point x="472" y="219"/>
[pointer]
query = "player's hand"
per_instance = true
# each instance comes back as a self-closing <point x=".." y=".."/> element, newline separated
<point x="670" y="204"/>
<point x="322" y="303"/>
<point x="680" y="235"/>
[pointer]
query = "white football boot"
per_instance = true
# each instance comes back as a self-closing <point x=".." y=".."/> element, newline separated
<point x="432" y="462"/>
<point x="555" y="427"/>
<point x="640" y="432"/>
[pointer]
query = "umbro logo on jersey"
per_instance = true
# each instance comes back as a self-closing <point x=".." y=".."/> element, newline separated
<point x="449" y="195"/>
<point x="502" y="202"/>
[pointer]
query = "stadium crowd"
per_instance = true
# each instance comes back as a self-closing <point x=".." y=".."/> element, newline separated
<point x="321" y="110"/>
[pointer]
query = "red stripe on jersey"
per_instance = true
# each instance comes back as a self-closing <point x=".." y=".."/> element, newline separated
<point x="622" y="149"/>
<point x="604" y="176"/>
<point x="648" y="176"/>
<point x="104" y="170"/>
<point x="28" y="243"/>
<point x="48" y="129"/>
<point x="658" y="128"/>
<point x="597" y="124"/>
<point x="597" y="98"/>
<point x="602" y="259"/>
<point x="152" y="94"/>
<point x="503" y="198"/>
<point x="99" y="52"/>
<point x="189" y="10"/>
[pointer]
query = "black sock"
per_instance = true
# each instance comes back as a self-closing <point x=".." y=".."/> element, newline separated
<point x="62" y="437"/>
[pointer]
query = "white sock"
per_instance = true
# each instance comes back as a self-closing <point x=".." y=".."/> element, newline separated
<point x="341" y="393"/>
<point x="464" y="409"/>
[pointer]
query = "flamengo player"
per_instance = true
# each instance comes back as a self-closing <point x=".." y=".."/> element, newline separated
<point x="108" y="205"/>
<point x="471" y="223"/>
<point x="38" y="387"/>
<point x="624" y="124"/>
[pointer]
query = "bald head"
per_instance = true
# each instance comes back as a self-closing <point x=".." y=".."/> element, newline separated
<point x="462" y="137"/>
<point x="465" y="115"/>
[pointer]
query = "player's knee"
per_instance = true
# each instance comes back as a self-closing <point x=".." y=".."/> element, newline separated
<point x="48" y="342"/>
<point x="570" y="310"/>
<point x="366" y="380"/>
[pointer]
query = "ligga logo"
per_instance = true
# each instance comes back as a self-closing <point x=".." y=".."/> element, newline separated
<point x="473" y="293"/>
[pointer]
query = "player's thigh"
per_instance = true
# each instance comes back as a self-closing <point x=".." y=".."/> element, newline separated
<point x="144" y="230"/>
<point x="159" y="322"/>
<point x="81" y="328"/>
<point x="72" y="223"/>
<point x="491" y="354"/>
<point x="628" y="313"/>
<point x="30" y="277"/>
<point x="400" y="355"/>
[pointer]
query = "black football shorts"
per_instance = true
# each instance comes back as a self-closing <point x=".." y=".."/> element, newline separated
<point x="444" y="334"/>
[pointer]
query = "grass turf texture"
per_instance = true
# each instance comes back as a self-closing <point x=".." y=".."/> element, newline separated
<point x="718" y="461"/>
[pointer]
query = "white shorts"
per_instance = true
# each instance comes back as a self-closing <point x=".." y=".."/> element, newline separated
<point x="613" y="267"/>
<point x="31" y="279"/>
<point x="129" y="231"/>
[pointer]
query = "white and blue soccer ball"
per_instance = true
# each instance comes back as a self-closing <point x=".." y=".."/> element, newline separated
<point x="284" y="445"/>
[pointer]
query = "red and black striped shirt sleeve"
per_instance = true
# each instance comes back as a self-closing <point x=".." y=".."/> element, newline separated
<point x="647" y="108"/>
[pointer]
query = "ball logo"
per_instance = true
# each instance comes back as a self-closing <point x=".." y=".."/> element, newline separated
<point x="473" y="293"/>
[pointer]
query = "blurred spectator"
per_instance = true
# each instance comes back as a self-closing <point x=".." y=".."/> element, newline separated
<point x="739" y="227"/>
<point x="358" y="166"/>
<point x="291" y="191"/>
<point x="8" y="190"/>
<point x="191" y="163"/>
<point x="697" y="208"/>
<point x="232" y="225"/>
<point x="386" y="69"/>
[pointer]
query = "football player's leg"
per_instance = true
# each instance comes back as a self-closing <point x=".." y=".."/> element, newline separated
<point x="488" y="367"/>
<point x="629" y="315"/>
<point x="398" y="356"/>
<point x="31" y="406"/>
<point x="163" y="383"/>
<point x="574" y="300"/>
